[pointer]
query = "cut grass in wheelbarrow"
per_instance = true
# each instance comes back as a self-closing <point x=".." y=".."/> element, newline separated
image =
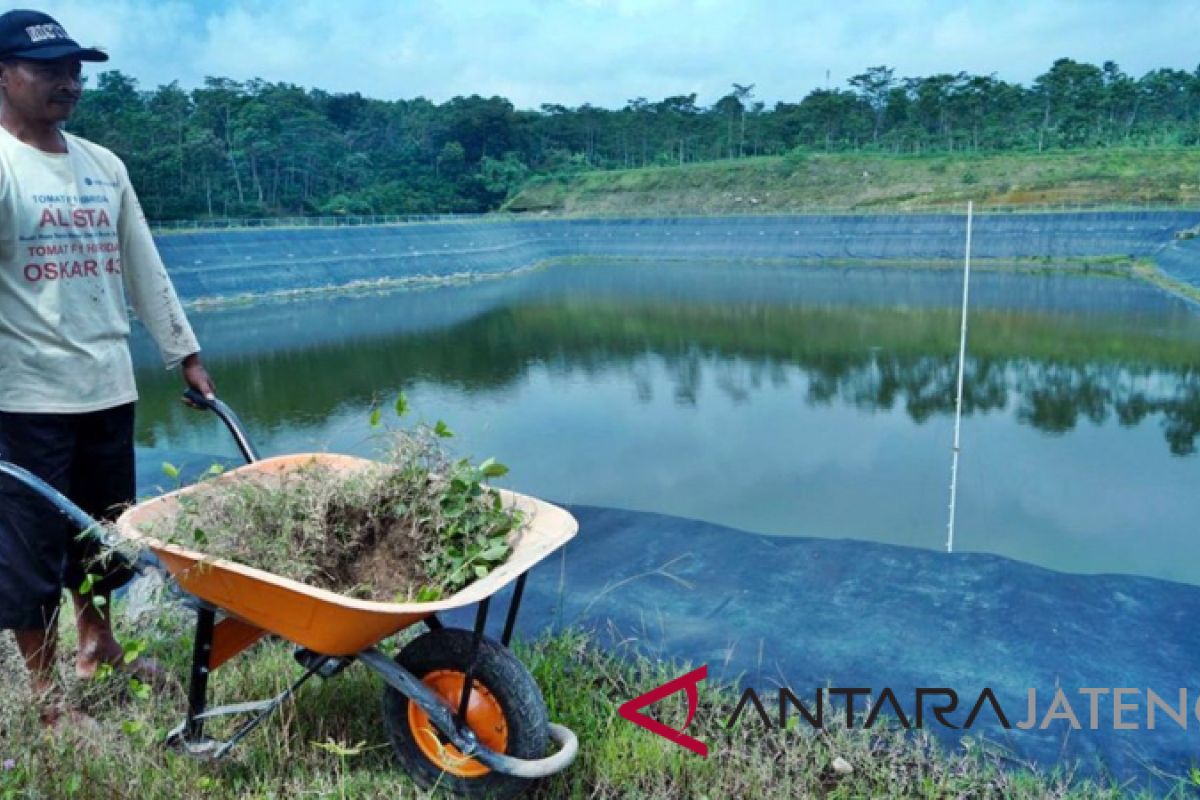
<point x="418" y="525"/>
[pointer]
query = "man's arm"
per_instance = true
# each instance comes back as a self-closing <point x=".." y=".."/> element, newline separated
<point x="150" y="292"/>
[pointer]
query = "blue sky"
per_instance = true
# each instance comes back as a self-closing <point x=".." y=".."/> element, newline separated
<point x="608" y="51"/>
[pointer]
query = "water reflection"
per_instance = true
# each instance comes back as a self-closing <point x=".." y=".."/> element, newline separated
<point x="743" y="395"/>
<point x="1050" y="396"/>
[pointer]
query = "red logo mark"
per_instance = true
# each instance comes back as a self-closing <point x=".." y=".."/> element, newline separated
<point x="688" y="682"/>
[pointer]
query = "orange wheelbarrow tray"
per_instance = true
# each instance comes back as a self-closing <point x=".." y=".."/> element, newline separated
<point x="237" y="605"/>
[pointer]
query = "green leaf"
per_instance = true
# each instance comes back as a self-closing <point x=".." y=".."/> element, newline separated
<point x="492" y="469"/>
<point x="376" y="416"/>
<point x="481" y="571"/>
<point x="138" y="689"/>
<point x="131" y="651"/>
<point x="199" y="536"/>
<point x="170" y="470"/>
<point x="496" y="552"/>
<point x="401" y="405"/>
<point x="99" y="601"/>
<point x="89" y="581"/>
<point x="428" y="594"/>
<point x="442" y="430"/>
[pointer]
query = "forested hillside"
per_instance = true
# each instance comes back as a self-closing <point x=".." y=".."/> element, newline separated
<point x="262" y="149"/>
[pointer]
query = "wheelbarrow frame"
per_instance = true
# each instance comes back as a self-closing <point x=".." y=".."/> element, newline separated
<point x="216" y="642"/>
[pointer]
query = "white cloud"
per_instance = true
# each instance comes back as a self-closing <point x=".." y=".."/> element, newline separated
<point x="607" y="51"/>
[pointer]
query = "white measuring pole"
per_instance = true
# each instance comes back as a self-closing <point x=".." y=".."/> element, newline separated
<point x="962" y="359"/>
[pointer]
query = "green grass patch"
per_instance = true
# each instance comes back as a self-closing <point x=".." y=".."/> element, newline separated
<point x="330" y="742"/>
<point x="801" y="182"/>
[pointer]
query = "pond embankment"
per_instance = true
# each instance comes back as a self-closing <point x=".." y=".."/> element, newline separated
<point x="228" y="265"/>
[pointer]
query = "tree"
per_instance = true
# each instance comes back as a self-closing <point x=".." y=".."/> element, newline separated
<point x="503" y="177"/>
<point x="1070" y="95"/>
<point x="1121" y="102"/>
<point x="833" y="118"/>
<point x="731" y="108"/>
<point x="743" y="95"/>
<point x="452" y="159"/>
<point x="874" y="87"/>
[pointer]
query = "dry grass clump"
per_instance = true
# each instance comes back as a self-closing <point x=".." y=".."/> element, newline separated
<point x="416" y="526"/>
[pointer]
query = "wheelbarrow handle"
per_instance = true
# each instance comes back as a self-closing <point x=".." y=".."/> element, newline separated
<point x="77" y="516"/>
<point x="215" y="405"/>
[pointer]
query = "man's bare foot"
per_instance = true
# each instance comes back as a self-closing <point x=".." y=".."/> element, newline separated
<point x="98" y="647"/>
<point x="145" y="669"/>
<point x="93" y="654"/>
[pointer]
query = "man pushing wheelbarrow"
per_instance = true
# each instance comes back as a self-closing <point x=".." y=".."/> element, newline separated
<point x="460" y="710"/>
<point x="75" y="250"/>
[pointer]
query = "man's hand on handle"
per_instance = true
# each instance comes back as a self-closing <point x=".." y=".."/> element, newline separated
<point x="196" y="376"/>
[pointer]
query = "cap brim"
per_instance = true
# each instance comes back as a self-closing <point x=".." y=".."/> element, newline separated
<point x="61" y="51"/>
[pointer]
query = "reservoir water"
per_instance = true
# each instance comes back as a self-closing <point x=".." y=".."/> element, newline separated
<point x="795" y="401"/>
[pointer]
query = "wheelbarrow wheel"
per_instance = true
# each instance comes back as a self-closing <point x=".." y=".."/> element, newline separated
<point x="506" y="712"/>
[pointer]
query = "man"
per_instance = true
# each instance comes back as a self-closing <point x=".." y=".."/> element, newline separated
<point x="74" y="250"/>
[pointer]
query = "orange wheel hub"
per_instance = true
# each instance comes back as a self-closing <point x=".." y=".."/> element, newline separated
<point x="484" y="716"/>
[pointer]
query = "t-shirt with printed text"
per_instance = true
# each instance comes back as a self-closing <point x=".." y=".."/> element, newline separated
<point x="75" y="249"/>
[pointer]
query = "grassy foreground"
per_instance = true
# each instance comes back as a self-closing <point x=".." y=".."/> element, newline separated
<point x="331" y="742"/>
<point x="864" y="182"/>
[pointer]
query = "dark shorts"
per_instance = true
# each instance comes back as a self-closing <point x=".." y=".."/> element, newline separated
<point x="89" y="458"/>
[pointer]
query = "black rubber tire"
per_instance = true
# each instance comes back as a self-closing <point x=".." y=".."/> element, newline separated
<point x="508" y="681"/>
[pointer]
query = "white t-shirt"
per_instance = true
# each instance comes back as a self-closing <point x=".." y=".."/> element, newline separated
<point x="74" y="250"/>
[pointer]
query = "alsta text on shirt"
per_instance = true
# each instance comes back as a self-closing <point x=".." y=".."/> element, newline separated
<point x="75" y="251"/>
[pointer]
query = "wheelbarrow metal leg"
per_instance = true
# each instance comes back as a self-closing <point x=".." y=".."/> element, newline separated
<point x="480" y="623"/>
<point x="198" y="687"/>
<point x="514" y="606"/>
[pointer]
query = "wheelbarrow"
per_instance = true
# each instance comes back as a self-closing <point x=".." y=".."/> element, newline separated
<point x="461" y="711"/>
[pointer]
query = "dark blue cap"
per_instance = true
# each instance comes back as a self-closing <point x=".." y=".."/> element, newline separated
<point x="36" y="36"/>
